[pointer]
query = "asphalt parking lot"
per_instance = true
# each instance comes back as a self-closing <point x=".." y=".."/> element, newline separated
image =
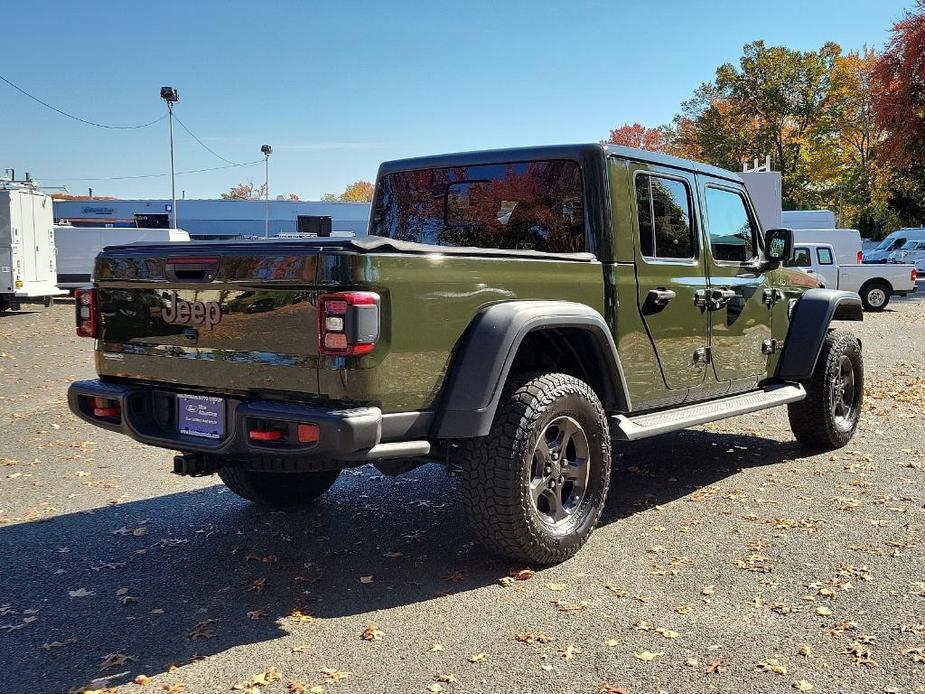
<point x="729" y="559"/>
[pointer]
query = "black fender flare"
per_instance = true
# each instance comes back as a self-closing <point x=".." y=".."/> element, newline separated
<point x="486" y="352"/>
<point x="813" y="313"/>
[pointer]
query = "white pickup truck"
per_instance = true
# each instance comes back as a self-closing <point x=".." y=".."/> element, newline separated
<point x="875" y="283"/>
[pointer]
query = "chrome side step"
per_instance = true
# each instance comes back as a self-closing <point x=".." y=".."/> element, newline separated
<point x="643" y="426"/>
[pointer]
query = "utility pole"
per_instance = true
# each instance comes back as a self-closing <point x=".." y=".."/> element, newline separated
<point x="171" y="96"/>
<point x="267" y="151"/>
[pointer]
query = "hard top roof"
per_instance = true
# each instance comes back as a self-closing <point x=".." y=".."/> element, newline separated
<point x="573" y="151"/>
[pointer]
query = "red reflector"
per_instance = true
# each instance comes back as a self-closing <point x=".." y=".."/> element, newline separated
<point x="273" y="435"/>
<point x="335" y="341"/>
<point x="107" y="411"/>
<point x="308" y="433"/>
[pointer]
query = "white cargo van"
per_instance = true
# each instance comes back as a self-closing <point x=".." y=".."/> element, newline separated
<point x="893" y="242"/>
<point x="27" y="247"/>
<point x="79" y="246"/>
<point x="807" y="219"/>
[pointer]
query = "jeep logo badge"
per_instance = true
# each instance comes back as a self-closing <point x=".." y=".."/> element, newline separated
<point x="180" y="312"/>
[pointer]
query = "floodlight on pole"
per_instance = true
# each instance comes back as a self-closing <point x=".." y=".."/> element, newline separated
<point x="267" y="151"/>
<point x="171" y="96"/>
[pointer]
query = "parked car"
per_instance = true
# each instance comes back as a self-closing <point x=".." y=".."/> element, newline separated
<point x="912" y="252"/>
<point x="875" y="284"/>
<point x="893" y="242"/>
<point x="511" y="314"/>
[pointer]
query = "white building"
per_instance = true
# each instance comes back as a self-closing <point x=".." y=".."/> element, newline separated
<point x="218" y="218"/>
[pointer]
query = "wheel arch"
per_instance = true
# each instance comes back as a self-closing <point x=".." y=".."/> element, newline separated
<point x="511" y="335"/>
<point x="876" y="280"/>
<point x="809" y="324"/>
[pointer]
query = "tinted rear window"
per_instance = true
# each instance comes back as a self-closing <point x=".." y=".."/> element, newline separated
<point x="533" y="205"/>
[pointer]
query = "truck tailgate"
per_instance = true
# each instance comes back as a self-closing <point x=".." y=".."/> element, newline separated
<point x="899" y="277"/>
<point x="234" y="317"/>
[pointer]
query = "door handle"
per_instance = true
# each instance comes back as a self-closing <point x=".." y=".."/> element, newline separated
<point x="660" y="297"/>
<point x="720" y="297"/>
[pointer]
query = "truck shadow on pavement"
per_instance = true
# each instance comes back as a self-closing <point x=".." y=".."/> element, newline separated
<point x="179" y="577"/>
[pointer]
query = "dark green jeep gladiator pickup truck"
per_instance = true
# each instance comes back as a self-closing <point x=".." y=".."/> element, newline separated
<point x="511" y="315"/>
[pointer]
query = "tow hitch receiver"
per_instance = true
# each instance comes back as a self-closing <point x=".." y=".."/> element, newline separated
<point x="193" y="465"/>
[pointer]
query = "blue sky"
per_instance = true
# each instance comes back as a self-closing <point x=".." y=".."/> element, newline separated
<point x="337" y="87"/>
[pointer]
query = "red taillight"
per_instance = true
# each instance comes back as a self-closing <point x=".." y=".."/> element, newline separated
<point x="104" y="407"/>
<point x="87" y="312"/>
<point x="271" y="435"/>
<point x="348" y="323"/>
<point x="914" y="275"/>
<point x="860" y="257"/>
<point x="308" y="433"/>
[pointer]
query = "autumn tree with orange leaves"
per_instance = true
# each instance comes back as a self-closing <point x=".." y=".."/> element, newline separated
<point x="846" y="130"/>
<point x="900" y="111"/>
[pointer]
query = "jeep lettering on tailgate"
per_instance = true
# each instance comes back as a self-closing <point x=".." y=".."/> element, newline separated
<point x="180" y="312"/>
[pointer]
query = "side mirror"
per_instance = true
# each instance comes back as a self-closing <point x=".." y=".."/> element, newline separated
<point x="778" y="245"/>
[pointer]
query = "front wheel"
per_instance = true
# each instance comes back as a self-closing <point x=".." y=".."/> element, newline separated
<point x="535" y="487"/>
<point x="828" y="417"/>
<point x="277" y="489"/>
<point x="875" y="296"/>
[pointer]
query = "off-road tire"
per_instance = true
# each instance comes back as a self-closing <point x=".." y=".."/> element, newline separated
<point x="496" y="470"/>
<point x="277" y="489"/>
<point x="871" y="294"/>
<point x="813" y="420"/>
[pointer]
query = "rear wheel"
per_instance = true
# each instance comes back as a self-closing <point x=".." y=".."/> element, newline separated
<point x="875" y="296"/>
<point x="277" y="489"/>
<point x="829" y="415"/>
<point x="534" y="488"/>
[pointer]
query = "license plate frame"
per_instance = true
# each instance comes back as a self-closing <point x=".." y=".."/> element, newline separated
<point x="202" y="416"/>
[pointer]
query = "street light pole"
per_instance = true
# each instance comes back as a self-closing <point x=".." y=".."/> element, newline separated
<point x="267" y="151"/>
<point x="171" y="96"/>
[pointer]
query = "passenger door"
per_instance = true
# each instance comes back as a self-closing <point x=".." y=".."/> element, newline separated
<point x="739" y="309"/>
<point x="826" y="267"/>
<point x="670" y="272"/>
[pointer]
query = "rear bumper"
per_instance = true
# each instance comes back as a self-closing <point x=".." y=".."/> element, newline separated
<point x="148" y="415"/>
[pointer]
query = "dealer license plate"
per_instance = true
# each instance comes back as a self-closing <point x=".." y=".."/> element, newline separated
<point x="201" y="415"/>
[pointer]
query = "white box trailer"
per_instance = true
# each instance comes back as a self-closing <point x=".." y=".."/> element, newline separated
<point x="28" y="271"/>
<point x="78" y="247"/>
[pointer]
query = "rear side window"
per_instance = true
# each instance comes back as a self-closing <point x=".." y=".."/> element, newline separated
<point x="800" y="258"/>
<point x="732" y="232"/>
<point x="824" y="255"/>
<point x="664" y="208"/>
<point x="534" y="205"/>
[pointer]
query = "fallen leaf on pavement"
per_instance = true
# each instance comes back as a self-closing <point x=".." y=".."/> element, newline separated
<point x="334" y="676"/>
<point x="648" y="655"/>
<point x="80" y="593"/>
<point x="478" y="657"/>
<point x="772" y="665"/>
<point x="566" y="606"/>
<point x="569" y="652"/>
<point x="802" y="686"/>
<point x="372" y="633"/>
<point x="299" y="618"/>
<point x="531" y="637"/>
<point x="114" y="660"/>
